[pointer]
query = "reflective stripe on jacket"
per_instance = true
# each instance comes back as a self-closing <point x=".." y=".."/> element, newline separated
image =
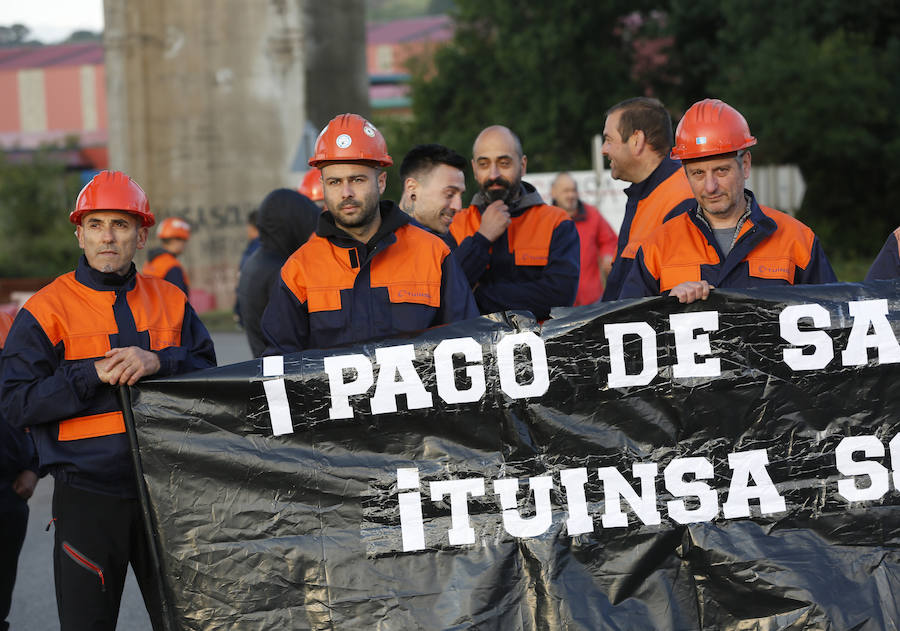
<point x="49" y="381"/>
<point x="772" y="248"/>
<point x="664" y="194"/>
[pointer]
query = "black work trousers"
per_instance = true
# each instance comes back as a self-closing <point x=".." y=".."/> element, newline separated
<point x="96" y="537"/>
<point x="13" y="523"/>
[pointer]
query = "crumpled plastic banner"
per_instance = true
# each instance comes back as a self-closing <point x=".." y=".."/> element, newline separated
<point x="729" y="464"/>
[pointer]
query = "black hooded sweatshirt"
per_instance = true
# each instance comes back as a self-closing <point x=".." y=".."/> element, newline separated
<point x="286" y="221"/>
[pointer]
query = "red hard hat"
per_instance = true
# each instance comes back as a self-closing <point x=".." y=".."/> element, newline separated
<point x="311" y="186"/>
<point x="174" y="228"/>
<point x="350" y="138"/>
<point x="112" y="190"/>
<point x="711" y="127"/>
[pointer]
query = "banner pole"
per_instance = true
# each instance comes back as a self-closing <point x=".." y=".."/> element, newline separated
<point x="124" y="394"/>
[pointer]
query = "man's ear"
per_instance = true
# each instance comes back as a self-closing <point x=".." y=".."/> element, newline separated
<point x="143" y="234"/>
<point x="410" y="187"/>
<point x="524" y="164"/>
<point x="637" y="142"/>
<point x="382" y="182"/>
<point x="79" y="234"/>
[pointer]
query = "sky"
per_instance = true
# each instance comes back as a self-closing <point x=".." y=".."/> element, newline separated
<point x="51" y="21"/>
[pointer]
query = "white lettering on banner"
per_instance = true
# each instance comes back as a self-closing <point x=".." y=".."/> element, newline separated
<point x="394" y="360"/>
<point x="459" y="490"/>
<point x="867" y="315"/>
<point x="398" y="360"/>
<point x="276" y="395"/>
<point x="676" y="485"/>
<point x="746" y="465"/>
<point x="877" y="474"/>
<point x="789" y="323"/>
<point x="443" y="370"/>
<point x="750" y="481"/>
<point x="615" y="333"/>
<point x="352" y="375"/>
<point x="870" y="314"/>
<point x="688" y="347"/>
<point x="513" y="522"/>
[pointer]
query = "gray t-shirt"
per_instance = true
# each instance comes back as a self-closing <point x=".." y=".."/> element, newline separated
<point x="725" y="238"/>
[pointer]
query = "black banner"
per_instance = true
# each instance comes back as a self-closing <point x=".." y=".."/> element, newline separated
<point x="731" y="464"/>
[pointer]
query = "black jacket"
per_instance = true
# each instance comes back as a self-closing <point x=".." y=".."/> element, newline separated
<point x="286" y="221"/>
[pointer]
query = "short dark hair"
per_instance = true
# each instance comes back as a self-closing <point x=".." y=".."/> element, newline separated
<point x="649" y="116"/>
<point x="421" y="159"/>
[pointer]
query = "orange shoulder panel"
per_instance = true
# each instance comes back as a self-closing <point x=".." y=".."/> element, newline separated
<point x="410" y="268"/>
<point x="317" y="272"/>
<point x="158" y="308"/>
<point x="79" y="317"/>
<point x="530" y="233"/>
<point x="674" y="252"/>
<point x="465" y="223"/>
<point x="159" y="266"/>
<point x="5" y="322"/>
<point x="789" y="247"/>
<point x="653" y="209"/>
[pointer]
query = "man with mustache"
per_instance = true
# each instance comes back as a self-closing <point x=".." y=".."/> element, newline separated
<point x="727" y="239"/>
<point x="516" y="251"/>
<point x="367" y="271"/>
<point x="70" y="348"/>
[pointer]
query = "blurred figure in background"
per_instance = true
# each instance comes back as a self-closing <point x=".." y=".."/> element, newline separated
<point x="18" y="479"/>
<point x="598" y="239"/>
<point x="887" y="264"/>
<point x="252" y="246"/>
<point x="286" y="220"/>
<point x="163" y="262"/>
<point x="311" y="187"/>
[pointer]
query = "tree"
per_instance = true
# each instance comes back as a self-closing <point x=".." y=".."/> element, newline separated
<point x="814" y="80"/>
<point x="15" y="35"/>
<point x="35" y="200"/>
<point x="547" y="70"/>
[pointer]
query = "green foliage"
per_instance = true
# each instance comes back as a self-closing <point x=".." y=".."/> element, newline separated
<point x="35" y="200"/>
<point x="547" y="70"/>
<point x="16" y="35"/>
<point x="815" y="80"/>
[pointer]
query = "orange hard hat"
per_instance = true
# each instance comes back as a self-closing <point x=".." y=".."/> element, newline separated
<point x="350" y="138"/>
<point x="112" y="190"/>
<point x="711" y="127"/>
<point x="311" y="186"/>
<point x="174" y="228"/>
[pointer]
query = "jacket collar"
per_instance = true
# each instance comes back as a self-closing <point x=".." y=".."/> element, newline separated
<point x="104" y="281"/>
<point x="392" y="218"/>
<point x="640" y="190"/>
<point x="528" y="197"/>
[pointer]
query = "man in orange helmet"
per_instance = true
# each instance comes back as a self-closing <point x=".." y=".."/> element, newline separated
<point x="727" y="239"/>
<point x="367" y="271"/>
<point x="70" y="347"/>
<point x="163" y="262"/>
<point x="637" y="138"/>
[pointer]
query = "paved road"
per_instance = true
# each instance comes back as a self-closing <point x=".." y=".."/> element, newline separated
<point x="34" y="603"/>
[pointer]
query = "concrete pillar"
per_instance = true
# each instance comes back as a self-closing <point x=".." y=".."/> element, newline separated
<point x="208" y="101"/>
